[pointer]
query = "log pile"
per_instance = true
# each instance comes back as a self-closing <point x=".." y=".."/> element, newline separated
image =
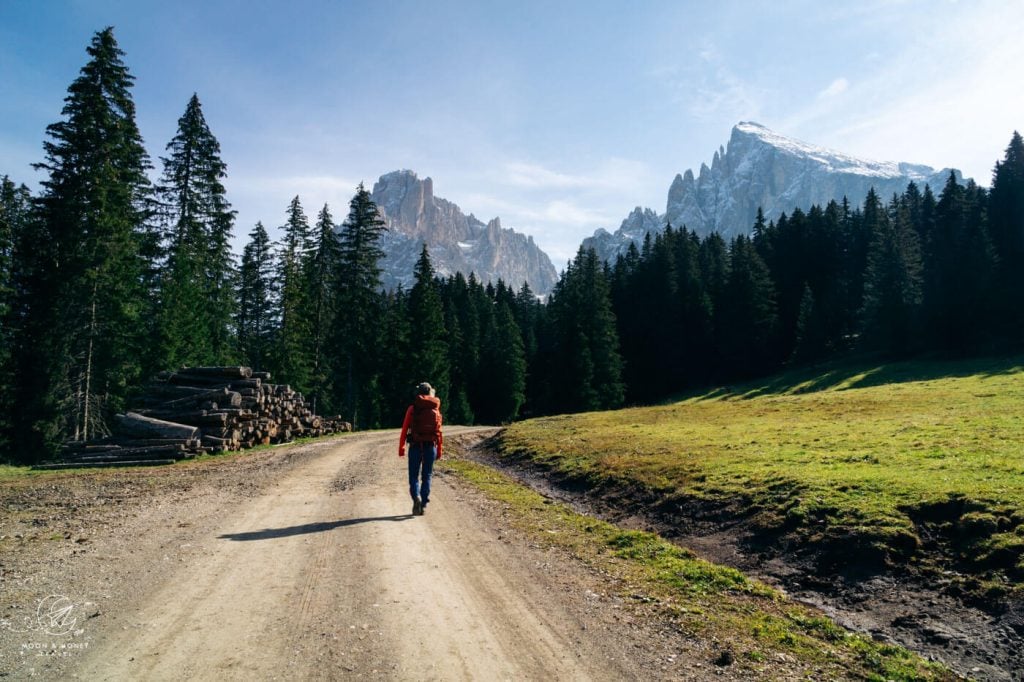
<point x="197" y="410"/>
<point x="234" y="407"/>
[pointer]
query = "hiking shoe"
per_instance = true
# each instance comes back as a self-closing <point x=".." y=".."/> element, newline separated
<point x="417" y="507"/>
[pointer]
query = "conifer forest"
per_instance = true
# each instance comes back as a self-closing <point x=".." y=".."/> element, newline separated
<point x="121" y="266"/>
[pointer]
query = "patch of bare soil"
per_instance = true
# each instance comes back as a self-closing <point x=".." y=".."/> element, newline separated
<point x="920" y="612"/>
<point x="76" y="548"/>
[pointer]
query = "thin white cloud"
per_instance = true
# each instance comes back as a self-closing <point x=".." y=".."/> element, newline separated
<point x="570" y="213"/>
<point x="519" y="214"/>
<point x="724" y="96"/>
<point x="708" y="89"/>
<point x="610" y="174"/>
<point x="533" y="176"/>
<point x="836" y="87"/>
<point x="934" y="100"/>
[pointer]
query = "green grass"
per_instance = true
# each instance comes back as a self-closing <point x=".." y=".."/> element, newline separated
<point x="12" y="471"/>
<point x="851" y="459"/>
<point x="715" y="603"/>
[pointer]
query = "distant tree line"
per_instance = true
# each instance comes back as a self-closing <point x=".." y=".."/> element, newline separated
<point x="107" y="278"/>
<point x="911" y="275"/>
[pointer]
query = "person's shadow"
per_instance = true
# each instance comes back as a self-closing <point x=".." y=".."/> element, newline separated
<point x="319" y="527"/>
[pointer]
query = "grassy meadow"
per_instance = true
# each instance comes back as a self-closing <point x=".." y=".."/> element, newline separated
<point x="746" y="624"/>
<point x="914" y="463"/>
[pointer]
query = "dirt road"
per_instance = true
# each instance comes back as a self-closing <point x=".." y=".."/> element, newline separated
<point x="325" y="575"/>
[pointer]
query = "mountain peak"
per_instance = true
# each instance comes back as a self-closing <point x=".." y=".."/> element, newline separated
<point x="760" y="168"/>
<point x="457" y="242"/>
<point x="747" y="131"/>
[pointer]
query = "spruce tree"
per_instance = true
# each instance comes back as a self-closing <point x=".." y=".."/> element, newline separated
<point x="15" y="209"/>
<point x="696" y="341"/>
<point x="15" y="214"/>
<point x="504" y="361"/>
<point x="291" y="357"/>
<point x="459" y="410"/>
<point x="256" y="318"/>
<point x="959" y="301"/>
<point x="811" y="330"/>
<point x="747" y="318"/>
<point x="892" y="280"/>
<point x="528" y="313"/>
<point x="826" y="275"/>
<point x="585" y="365"/>
<point x="855" y="238"/>
<point x="476" y="314"/>
<point x="429" y="347"/>
<point x="397" y="375"/>
<point x="320" y="270"/>
<point x="80" y="342"/>
<point x="196" y="303"/>
<point x="1006" y="221"/>
<point x="714" y="268"/>
<point x="357" y="324"/>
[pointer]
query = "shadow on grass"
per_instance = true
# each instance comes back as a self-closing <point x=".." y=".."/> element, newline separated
<point x="864" y="373"/>
<point x="319" y="527"/>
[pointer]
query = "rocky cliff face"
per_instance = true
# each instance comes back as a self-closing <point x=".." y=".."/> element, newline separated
<point x="760" y="168"/>
<point x="633" y="228"/>
<point x="457" y="242"/>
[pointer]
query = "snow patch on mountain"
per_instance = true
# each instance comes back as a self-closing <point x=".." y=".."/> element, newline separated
<point x="762" y="168"/>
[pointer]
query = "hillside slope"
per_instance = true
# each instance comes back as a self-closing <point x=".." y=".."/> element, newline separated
<point x="912" y="471"/>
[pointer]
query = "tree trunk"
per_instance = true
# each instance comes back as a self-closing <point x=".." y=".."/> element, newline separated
<point x="137" y="426"/>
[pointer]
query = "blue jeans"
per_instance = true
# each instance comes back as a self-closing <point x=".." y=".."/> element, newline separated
<point x="421" y="456"/>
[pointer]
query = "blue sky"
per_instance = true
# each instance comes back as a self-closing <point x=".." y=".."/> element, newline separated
<point x="557" y="116"/>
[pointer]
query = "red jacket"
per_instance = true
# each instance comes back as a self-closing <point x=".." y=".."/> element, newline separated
<point x="424" y="401"/>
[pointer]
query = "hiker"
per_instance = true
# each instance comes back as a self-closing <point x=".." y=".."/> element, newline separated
<point x="422" y="429"/>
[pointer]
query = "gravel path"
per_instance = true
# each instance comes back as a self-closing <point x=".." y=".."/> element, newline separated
<point x="303" y="563"/>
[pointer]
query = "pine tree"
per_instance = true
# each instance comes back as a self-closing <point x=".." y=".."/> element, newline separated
<point x="528" y="313"/>
<point x="79" y="345"/>
<point x="827" y="276"/>
<point x="195" y="292"/>
<point x="452" y="292"/>
<point x="1006" y="221"/>
<point x="714" y="268"/>
<point x="696" y="341"/>
<point x="811" y="331"/>
<point x="15" y="213"/>
<point x="320" y="270"/>
<point x="892" y="280"/>
<point x="459" y="410"/>
<point x="291" y="359"/>
<point x="476" y="313"/>
<point x="504" y="361"/>
<point x="747" y="318"/>
<point x="654" y="365"/>
<point x="15" y="208"/>
<point x="429" y="348"/>
<point x="397" y="375"/>
<point x="256" y="318"/>
<point x="961" y="266"/>
<point x="357" y="324"/>
<point x="585" y="364"/>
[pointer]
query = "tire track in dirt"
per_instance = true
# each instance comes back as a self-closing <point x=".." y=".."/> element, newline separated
<point x="313" y="576"/>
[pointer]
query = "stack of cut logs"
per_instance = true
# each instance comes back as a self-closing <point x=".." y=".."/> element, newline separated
<point x="202" y="409"/>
